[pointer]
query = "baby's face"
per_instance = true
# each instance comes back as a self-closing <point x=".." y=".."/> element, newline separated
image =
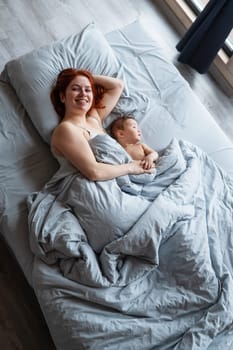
<point x="132" y="132"/>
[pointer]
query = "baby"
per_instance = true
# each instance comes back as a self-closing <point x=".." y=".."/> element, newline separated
<point x="126" y="131"/>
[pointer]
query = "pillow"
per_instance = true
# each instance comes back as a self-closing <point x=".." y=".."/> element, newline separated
<point x="32" y="75"/>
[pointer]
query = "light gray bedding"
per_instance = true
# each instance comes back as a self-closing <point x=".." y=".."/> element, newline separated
<point x="26" y="164"/>
<point x="166" y="264"/>
<point x="159" y="278"/>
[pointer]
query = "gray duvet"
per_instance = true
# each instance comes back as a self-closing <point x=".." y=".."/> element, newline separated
<point x="145" y="271"/>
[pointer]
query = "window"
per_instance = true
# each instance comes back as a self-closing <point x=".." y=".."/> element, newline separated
<point x="182" y="13"/>
<point x="197" y="6"/>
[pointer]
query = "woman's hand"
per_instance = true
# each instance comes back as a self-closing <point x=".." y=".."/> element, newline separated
<point x="137" y="167"/>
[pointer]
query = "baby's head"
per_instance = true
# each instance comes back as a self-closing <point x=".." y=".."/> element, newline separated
<point x="125" y="130"/>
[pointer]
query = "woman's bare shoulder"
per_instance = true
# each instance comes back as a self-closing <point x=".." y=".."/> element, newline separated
<point x="65" y="132"/>
<point x="64" y="125"/>
<point x="63" y="128"/>
<point x="66" y="137"/>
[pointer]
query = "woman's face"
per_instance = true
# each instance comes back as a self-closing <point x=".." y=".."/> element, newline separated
<point x="78" y="95"/>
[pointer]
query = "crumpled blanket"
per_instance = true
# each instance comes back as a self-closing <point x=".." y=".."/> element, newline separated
<point x="169" y="258"/>
<point x="102" y="205"/>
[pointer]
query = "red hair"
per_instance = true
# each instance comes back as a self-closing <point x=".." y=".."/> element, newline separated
<point x="63" y="80"/>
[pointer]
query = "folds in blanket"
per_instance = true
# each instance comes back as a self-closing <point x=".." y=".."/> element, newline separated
<point x="55" y="233"/>
<point x="59" y="238"/>
<point x="56" y="237"/>
<point x="137" y="252"/>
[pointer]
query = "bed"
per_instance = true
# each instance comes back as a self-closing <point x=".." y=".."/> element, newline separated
<point x="166" y="281"/>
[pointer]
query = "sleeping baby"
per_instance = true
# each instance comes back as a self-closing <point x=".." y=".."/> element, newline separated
<point x="126" y="131"/>
<point x="122" y="147"/>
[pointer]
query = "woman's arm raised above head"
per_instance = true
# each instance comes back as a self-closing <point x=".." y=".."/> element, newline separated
<point x="70" y="142"/>
<point x="113" y="88"/>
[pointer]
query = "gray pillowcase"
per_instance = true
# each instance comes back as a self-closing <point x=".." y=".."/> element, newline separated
<point x="32" y="75"/>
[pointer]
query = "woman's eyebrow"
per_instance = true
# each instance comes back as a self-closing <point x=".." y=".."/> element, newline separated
<point x="78" y="85"/>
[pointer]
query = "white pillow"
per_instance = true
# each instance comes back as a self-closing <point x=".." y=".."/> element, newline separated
<point x="32" y="75"/>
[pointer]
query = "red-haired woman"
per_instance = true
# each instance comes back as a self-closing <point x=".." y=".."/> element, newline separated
<point x="83" y="101"/>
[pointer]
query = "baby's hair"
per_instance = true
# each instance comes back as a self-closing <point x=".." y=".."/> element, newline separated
<point x="118" y="124"/>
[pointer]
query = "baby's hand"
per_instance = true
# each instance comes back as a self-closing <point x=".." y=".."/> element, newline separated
<point x="148" y="161"/>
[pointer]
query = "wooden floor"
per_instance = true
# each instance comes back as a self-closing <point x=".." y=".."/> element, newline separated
<point x="22" y="326"/>
<point x="28" y="24"/>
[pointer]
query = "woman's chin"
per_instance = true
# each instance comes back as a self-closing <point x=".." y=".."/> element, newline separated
<point x="83" y="107"/>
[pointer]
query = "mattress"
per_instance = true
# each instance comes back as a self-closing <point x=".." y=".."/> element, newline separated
<point x="165" y="107"/>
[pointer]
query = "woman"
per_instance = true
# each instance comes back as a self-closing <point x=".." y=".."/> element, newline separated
<point x="104" y="212"/>
<point x="83" y="101"/>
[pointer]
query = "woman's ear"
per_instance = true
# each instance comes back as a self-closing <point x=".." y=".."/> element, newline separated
<point x="62" y="97"/>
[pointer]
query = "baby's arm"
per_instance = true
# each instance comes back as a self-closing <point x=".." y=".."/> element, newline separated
<point x="151" y="156"/>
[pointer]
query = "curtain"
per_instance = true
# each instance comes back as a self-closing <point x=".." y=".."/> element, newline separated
<point x="206" y="36"/>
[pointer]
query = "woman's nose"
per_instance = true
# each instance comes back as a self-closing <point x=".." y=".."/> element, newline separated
<point x="82" y="91"/>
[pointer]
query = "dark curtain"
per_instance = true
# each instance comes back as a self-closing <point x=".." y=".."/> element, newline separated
<point x="206" y="36"/>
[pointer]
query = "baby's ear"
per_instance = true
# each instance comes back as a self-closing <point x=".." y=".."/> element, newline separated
<point x="119" y="133"/>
